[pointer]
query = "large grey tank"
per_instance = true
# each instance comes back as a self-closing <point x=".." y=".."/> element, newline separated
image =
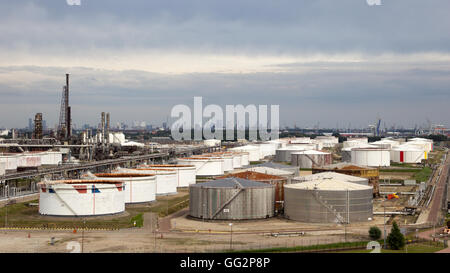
<point x="232" y="199"/>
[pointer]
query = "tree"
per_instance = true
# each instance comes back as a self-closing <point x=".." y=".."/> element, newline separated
<point x="374" y="233"/>
<point x="395" y="239"/>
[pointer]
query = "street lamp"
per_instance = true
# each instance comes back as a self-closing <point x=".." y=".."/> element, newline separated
<point x="384" y="220"/>
<point x="231" y="235"/>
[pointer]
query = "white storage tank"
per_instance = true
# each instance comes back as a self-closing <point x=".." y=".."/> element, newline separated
<point x="291" y="169"/>
<point x="427" y="144"/>
<point x="408" y="154"/>
<point x="2" y="168"/>
<point x="81" y="197"/>
<point x="346" y="153"/>
<point x="328" y="201"/>
<point x="186" y="174"/>
<point x="10" y="161"/>
<point x="372" y="157"/>
<point x="284" y="154"/>
<point x="227" y="160"/>
<point x="139" y="188"/>
<point x="311" y="158"/>
<point x="28" y="160"/>
<point x="166" y="179"/>
<point x="205" y="166"/>
<point x="253" y="151"/>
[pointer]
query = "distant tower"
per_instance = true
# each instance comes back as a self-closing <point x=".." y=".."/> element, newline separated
<point x="37" y="134"/>
<point x="64" y="127"/>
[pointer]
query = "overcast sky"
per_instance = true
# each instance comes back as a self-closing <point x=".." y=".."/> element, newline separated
<point x="332" y="62"/>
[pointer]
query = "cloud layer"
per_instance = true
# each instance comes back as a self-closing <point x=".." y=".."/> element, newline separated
<point x="333" y="62"/>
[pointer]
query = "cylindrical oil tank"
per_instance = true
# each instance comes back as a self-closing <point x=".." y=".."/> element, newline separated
<point x="372" y="157"/>
<point x="185" y="173"/>
<point x="408" y="154"/>
<point x="51" y="158"/>
<point x="284" y="154"/>
<point x="205" y="166"/>
<point x="81" y="197"/>
<point x="278" y="181"/>
<point x="231" y="199"/>
<point x="2" y="168"/>
<point x="331" y="175"/>
<point x="227" y="160"/>
<point x="166" y="179"/>
<point x="139" y="188"/>
<point x="10" y="161"/>
<point x="328" y="201"/>
<point x="28" y="160"/>
<point x="310" y="158"/>
<point x="253" y="151"/>
<point x="294" y="169"/>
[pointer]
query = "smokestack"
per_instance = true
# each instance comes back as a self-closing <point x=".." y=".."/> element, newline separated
<point x="68" y="114"/>
<point x="103" y="127"/>
<point x="107" y="127"/>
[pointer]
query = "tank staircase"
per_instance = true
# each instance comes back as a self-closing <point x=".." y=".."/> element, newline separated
<point x="329" y="208"/>
<point x="240" y="189"/>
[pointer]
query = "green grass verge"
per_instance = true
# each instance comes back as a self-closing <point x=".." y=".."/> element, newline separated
<point x="423" y="175"/>
<point x="24" y="215"/>
<point x="412" y="248"/>
<point x="305" y="248"/>
<point x="400" y="170"/>
<point x="139" y="219"/>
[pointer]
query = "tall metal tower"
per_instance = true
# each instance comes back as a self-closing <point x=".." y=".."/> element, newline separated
<point x="65" y="127"/>
<point x="37" y="134"/>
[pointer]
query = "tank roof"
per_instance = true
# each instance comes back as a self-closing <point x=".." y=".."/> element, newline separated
<point x="119" y="175"/>
<point x="274" y="165"/>
<point x="330" y="175"/>
<point x="255" y="176"/>
<point x="331" y="184"/>
<point x="78" y="181"/>
<point x="232" y="182"/>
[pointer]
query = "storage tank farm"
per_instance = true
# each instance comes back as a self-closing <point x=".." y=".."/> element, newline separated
<point x="138" y="188"/>
<point x="328" y="200"/>
<point x="231" y="199"/>
<point x="205" y="166"/>
<point x="186" y="174"/>
<point x="278" y="181"/>
<point x="166" y="179"/>
<point x="89" y="197"/>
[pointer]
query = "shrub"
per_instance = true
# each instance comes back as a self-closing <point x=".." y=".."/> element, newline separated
<point x="395" y="239"/>
<point x="374" y="233"/>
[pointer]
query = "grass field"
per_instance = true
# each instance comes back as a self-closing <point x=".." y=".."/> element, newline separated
<point x="423" y="175"/>
<point x="24" y="215"/>
<point x="412" y="248"/>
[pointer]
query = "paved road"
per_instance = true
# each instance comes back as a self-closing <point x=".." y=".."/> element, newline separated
<point x="436" y="204"/>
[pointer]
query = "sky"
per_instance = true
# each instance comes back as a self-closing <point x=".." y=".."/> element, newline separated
<point x="324" y="62"/>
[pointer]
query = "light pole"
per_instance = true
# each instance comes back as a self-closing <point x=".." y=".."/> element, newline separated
<point x="384" y="220"/>
<point x="82" y="236"/>
<point x="231" y="235"/>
